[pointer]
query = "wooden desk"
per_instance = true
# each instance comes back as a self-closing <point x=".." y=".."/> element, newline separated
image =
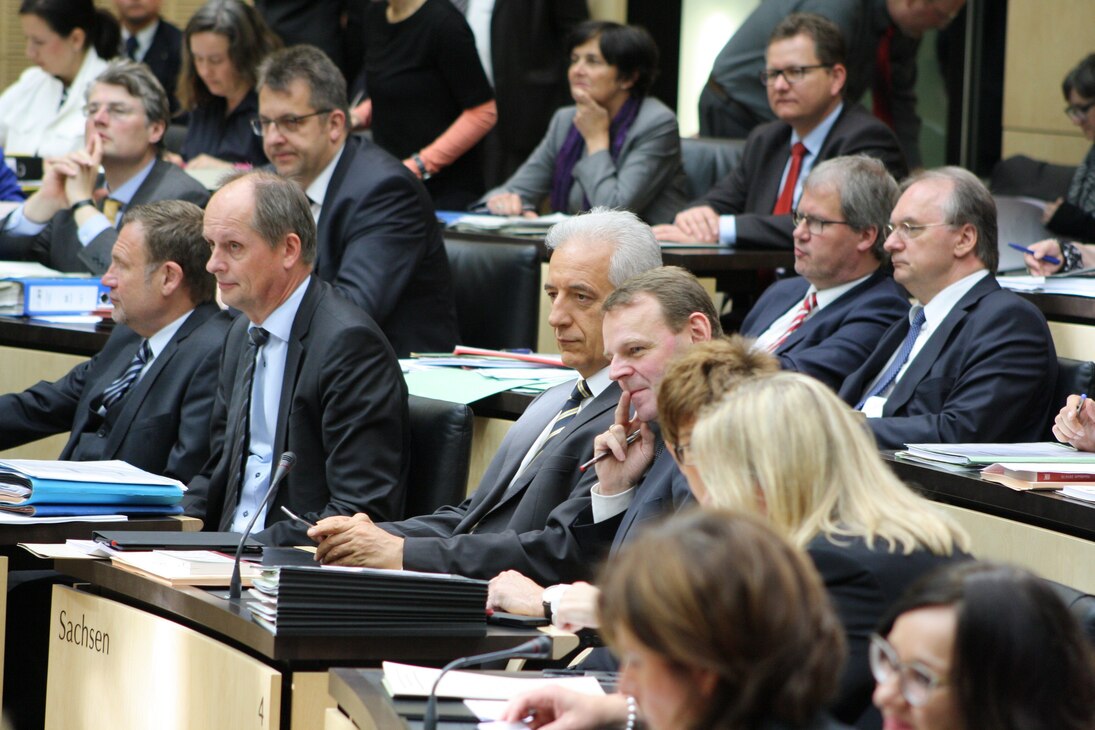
<point x="1044" y="531"/>
<point x="69" y="339"/>
<point x="287" y="675"/>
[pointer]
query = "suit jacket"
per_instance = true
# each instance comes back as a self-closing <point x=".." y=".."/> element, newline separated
<point x="161" y="425"/>
<point x="343" y="412"/>
<point x="58" y="247"/>
<point x="836" y="340"/>
<point x="647" y="177"/>
<point x="749" y="192"/>
<point x="380" y="245"/>
<point x="987" y="374"/>
<point x="863" y="583"/>
<point x="521" y="528"/>
<point x="662" y="491"/>
<point x="164" y="57"/>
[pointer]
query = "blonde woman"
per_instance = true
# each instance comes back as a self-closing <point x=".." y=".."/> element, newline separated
<point x="785" y="447"/>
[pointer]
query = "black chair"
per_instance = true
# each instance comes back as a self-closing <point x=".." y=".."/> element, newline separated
<point x="1073" y="376"/>
<point x="1021" y="175"/>
<point x="1080" y="604"/>
<point x="441" y="435"/>
<point x="497" y="291"/>
<point x="707" y="160"/>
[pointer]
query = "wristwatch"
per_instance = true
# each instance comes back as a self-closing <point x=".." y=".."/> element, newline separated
<point x="547" y="610"/>
<point x="423" y="173"/>
<point x="82" y="204"/>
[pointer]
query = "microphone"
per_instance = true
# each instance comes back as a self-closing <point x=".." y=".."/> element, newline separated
<point x="538" y="648"/>
<point x="285" y="463"/>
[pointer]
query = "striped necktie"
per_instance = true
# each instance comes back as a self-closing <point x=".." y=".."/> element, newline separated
<point x="566" y="414"/>
<point x="808" y="305"/>
<point x="257" y="337"/>
<point x="890" y="375"/>
<point x="114" y="392"/>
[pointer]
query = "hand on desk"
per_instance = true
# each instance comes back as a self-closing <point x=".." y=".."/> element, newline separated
<point x="1076" y="429"/>
<point x="508" y="204"/>
<point x="578" y="607"/>
<point x="626" y="463"/>
<point x="555" y="708"/>
<point x="513" y="592"/>
<point x="693" y="225"/>
<point x="356" y="541"/>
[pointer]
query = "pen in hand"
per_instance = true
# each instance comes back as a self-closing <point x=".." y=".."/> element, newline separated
<point x="1026" y="249"/>
<point x="296" y="518"/>
<point x="1080" y="405"/>
<point x="631" y="438"/>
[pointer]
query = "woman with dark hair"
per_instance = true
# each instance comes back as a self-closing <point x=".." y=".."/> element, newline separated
<point x="983" y="646"/>
<point x="616" y="147"/>
<point x="719" y="623"/>
<point x="223" y="45"/>
<point x="1072" y="219"/>
<point x="69" y="42"/>
<point x="429" y="100"/>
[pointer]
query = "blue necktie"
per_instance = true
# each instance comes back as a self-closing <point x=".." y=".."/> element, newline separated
<point x="131" y="47"/>
<point x="566" y="414"/>
<point x="114" y="392"/>
<point x="890" y="375"/>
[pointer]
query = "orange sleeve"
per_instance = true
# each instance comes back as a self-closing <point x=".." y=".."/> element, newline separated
<point x="468" y="128"/>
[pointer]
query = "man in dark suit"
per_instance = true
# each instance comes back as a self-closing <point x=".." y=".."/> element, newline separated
<point x="751" y="207"/>
<point x="379" y="241"/>
<point x="147" y="37"/>
<point x="303" y="370"/>
<point x="70" y="224"/>
<point x="319" y="23"/>
<point x="826" y="321"/>
<point x="532" y="489"/>
<point x="151" y="407"/>
<point x="972" y="361"/>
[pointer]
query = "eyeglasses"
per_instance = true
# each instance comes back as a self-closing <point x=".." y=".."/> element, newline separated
<point x="288" y="124"/>
<point x="1077" y="112"/>
<point x="114" y="111"/>
<point x="816" y="226"/>
<point x="914" y="680"/>
<point x="791" y="74"/>
<point x="683" y="452"/>
<point x="907" y="231"/>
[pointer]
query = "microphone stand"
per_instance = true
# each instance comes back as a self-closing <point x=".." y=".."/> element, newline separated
<point x="285" y="463"/>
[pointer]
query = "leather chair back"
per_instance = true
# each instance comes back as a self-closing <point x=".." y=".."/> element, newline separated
<point x="707" y="160"/>
<point x="441" y="434"/>
<point x="1073" y="376"/>
<point x="497" y="291"/>
<point x="1081" y="605"/>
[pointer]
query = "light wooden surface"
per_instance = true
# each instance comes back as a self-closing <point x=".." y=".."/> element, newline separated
<point x="310" y="700"/>
<point x="1052" y="555"/>
<point x="20" y="369"/>
<point x="151" y="673"/>
<point x="335" y="719"/>
<point x="1073" y="340"/>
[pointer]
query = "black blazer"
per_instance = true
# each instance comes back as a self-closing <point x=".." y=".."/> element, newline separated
<point x="863" y="583"/>
<point x="987" y="374"/>
<point x="834" y="342"/>
<point x="164" y="57"/>
<point x="380" y="245"/>
<point x="523" y="528"/>
<point x="343" y="413"/>
<point x="750" y="190"/>
<point x="58" y="247"/>
<point x="161" y="425"/>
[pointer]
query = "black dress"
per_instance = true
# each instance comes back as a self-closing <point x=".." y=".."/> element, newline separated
<point x="228" y="138"/>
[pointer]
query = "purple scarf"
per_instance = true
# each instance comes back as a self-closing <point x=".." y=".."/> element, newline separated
<point x="574" y="145"/>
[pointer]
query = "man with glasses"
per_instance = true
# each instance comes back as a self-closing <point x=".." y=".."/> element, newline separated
<point x="72" y="222"/>
<point x="882" y="37"/>
<point x="805" y="78"/>
<point x="826" y="321"/>
<point x="380" y="243"/>
<point x="972" y="362"/>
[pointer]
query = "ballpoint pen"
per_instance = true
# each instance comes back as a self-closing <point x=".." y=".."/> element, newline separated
<point x="1026" y="249"/>
<point x="631" y="438"/>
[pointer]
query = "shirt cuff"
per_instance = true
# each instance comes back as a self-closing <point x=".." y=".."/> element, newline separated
<point x="605" y="508"/>
<point x="728" y="229"/>
<point x="91" y="228"/>
<point x="18" y="224"/>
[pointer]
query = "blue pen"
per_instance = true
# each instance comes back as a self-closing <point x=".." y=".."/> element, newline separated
<point x="1048" y="259"/>
<point x="1080" y="405"/>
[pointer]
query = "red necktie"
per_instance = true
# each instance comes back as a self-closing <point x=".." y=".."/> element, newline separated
<point x="804" y="310"/>
<point x="882" y="88"/>
<point x="787" y="195"/>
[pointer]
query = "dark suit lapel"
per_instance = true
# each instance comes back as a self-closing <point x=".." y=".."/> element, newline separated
<point x="294" y="360"/>
<point x="834" y="310"/>
<point x="109" y="373"/>
<point x="920" y="367"/>
<point x="326" y="259"/>
<point x="768" y="184"/>
<point x="648" y="495"/>
<point x="778" y="307"/>
<point x="231" y="435"/>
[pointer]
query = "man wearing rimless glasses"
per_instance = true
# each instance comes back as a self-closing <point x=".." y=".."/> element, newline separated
<point x="972" y="362"/>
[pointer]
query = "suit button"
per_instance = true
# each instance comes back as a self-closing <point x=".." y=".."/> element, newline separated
<point x="101" y="433"/>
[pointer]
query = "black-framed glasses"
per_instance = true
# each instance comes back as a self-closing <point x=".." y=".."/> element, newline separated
<point x="914" y="680"/>
<point x="1077" y="112"/>
<point x="814" y="225"/>
<point x="792" y="74"/>
<point x="683" y="452"/>
<point x="907" y="231"/>
<point x="288" y="124"/>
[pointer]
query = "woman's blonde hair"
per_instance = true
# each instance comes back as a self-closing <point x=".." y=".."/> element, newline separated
<point x="786" y="447"/>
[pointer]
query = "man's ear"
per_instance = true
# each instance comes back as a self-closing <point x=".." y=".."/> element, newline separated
<point x="173" y="278"/>
<point x="699" y="327"/>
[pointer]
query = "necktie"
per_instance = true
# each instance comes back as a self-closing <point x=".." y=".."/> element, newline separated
<point x="787" y="195"/>
<point x="110" y="209"/>
<point x="566" y="414"/>
<point x="902" y="355"/>
<point x="461" y="5"/>
<point x="808" y="305"/>
<point x="114" y="392"/>
<point x="257" y="337"/>
<point x="882" y="87"/>
<point x="131" y="47"/>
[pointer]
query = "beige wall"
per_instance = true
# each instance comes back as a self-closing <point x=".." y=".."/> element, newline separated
<point x="1045" y="39"/>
